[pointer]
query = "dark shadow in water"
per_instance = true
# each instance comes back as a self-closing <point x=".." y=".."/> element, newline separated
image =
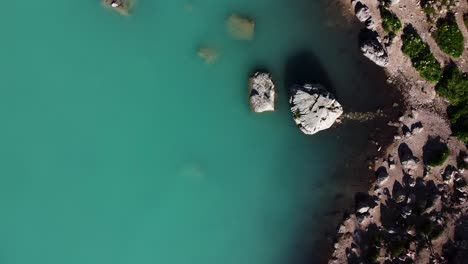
<point x="304" y="67"/>
<point x="258" y="68"/>
<point x="313" y="242"/>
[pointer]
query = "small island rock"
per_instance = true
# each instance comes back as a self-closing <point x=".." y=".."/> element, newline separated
<point x="261" y="92"/>
<point x="241" y="27"/>
<point x="314" y="108"/>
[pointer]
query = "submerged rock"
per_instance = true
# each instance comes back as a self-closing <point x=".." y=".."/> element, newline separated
<point x="241" y="27"/>
<point x="373" y="49"/>
<point x="314" y="108"/>
<point x="208" y="54"/>
<point x="261" y="92"/>
<point x="122" y="6"/>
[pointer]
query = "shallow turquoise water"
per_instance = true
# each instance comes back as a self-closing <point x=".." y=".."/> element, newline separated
<point x="119" y="145"/>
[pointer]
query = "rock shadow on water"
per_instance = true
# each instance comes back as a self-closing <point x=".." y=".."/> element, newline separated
<point x="304" y="67"/>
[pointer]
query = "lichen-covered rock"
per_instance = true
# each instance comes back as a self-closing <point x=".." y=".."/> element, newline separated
<point x="261" y="92"/>
<point x="373" y="49"/>
<point x="241" y="27"/>
<point x="314" y="108"/>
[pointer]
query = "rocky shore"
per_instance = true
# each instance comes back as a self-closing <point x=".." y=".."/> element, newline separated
<point x="418" y="199"/>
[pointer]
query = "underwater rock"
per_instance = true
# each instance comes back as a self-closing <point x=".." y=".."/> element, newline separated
<point x="122" y="6"/>
<point x="208" y="54"/>
<point x="314" y="108"/>
<point x="242" y="28"/>
<point x="261" y="92"/>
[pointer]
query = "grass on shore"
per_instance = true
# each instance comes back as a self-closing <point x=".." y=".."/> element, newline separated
<point x="421" y="56"/>
<point x="454" y="87"/>
<point x="452" y="84"/>
<point x="449" y="37"/>
<point x="458" y="115"/>
<point x="390" y="22"/>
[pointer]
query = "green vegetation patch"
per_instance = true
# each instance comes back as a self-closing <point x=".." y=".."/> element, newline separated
<point x="421" y="56"/>
<point x="449" y="37"/>
<point x="459" y="119"/>
<point x="436" y="159"/>
<point x="390" y="22"/>
<point x="453" y="85"/>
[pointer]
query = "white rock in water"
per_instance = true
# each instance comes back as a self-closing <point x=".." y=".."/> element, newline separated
<point x="261" y="92"/>
<point x="314" y="108"/>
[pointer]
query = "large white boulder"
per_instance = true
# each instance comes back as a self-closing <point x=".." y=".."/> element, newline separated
<point x="314" y="108"/>
<point x="261" y="92"/>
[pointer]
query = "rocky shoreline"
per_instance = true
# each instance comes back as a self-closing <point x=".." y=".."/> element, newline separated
<point x="418" y="199"/>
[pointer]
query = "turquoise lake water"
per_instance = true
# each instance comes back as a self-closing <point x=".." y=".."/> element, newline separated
<point x="119" y="145"/>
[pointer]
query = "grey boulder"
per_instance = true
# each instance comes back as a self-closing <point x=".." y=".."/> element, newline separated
<point x="373" y="49"/>
<point x="261" y="92"/>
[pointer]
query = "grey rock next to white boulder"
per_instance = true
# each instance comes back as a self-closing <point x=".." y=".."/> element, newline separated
<point x="314" y="108"/>
<point x="373" y="49"/>
<point x="261" y="92"/>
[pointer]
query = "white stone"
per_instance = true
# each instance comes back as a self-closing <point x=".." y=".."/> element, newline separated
<point x="417" y="130"/>
<point x="342" y="229"/>
<point x="261" y="92"/>
<point x="363" y="210"/>
<point x="409" y="164"/>
<point x="314" y="108"/>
